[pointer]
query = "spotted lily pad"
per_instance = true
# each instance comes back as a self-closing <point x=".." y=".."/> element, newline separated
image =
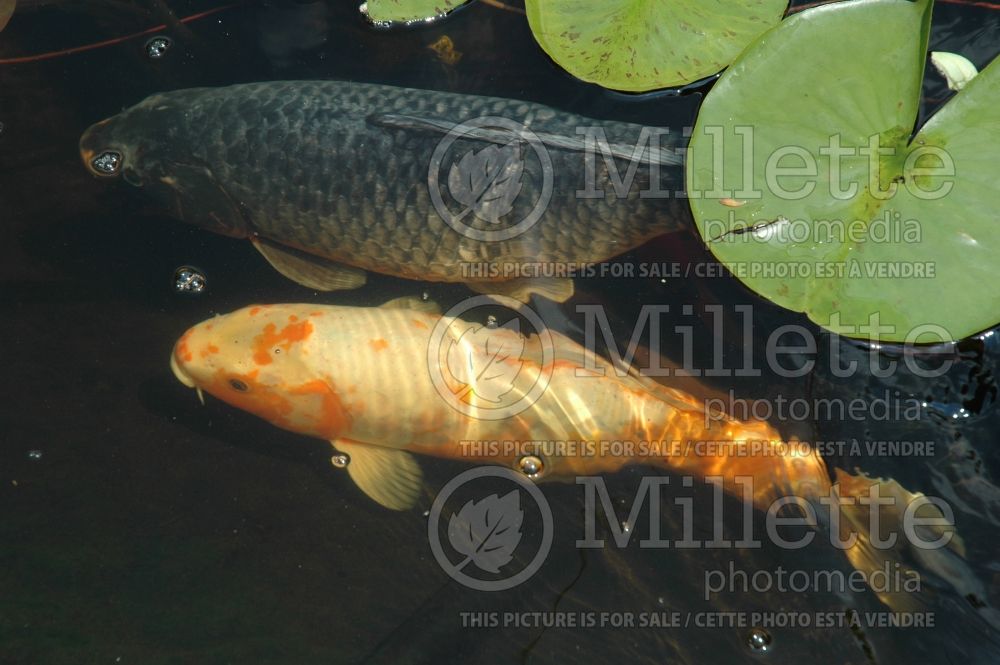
<point x="639" y="45"/>
<point x="408" y="11"/>
<point x="906" y="238"/>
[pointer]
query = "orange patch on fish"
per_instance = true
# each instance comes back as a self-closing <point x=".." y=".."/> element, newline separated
<point x="258" y="398"/>
<point x="209" y="350"/>
<point x="265" y="342"/>
<point x="378" y="344"/>
<point x="419" y="324"/>
<point x="183" y="351"/>
<point x="332" y="419"/>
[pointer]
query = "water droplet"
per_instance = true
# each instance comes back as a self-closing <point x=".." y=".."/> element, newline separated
<point x="531" y="466"/>
<point x="35" y="454"/>
<point x="189" y="280"/>
<point x="340" y="460"/>
<point x="157" y="47"/>
<point x="759" y="640"/>
<point x="491" y="322"/>
<point x="108" y="162"/>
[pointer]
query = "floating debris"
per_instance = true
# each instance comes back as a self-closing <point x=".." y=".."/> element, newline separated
<point x="445" y="50"/>
<point x="491" y="322"/>
<point x="35" y="455"/>
<point x="955" y="69"/>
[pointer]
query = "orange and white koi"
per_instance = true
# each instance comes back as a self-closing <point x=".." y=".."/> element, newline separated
<point x="364" y="379"/>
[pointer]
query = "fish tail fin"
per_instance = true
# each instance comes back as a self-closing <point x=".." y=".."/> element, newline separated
<point x="889" y="533"/>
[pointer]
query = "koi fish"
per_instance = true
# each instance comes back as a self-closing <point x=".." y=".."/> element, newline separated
<point x="330" y="179"/>
<point x="363" y="378"/>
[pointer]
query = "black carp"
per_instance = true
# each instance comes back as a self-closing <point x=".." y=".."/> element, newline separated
<point x="330" y="179"/>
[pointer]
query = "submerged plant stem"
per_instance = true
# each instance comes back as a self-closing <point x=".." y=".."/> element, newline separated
<point x="109" y="42"/>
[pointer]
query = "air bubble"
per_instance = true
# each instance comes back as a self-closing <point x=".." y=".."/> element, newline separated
<point x="35" y="454"/>
<point x="157" y="47"/>
<point x="340" y="460"/>
<point x="189" y="280"/>
<point x="107" y="163"/>
<point x="759" y="640"/>
<point x="531" y="466"/>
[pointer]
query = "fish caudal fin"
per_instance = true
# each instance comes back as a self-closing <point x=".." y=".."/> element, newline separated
<point x="557" y="289"/>
<point x="310" y="271"/>
<point x="390" y="477"/>
<point x="890" y="532"/>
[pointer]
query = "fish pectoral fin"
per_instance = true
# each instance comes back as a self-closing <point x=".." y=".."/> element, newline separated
<point x="308" y="270"/>
<point x="391" y="477"/>
<point x="557" y="289"/>
<point x="413" y="303"/>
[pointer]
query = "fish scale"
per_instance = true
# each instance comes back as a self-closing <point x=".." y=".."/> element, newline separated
<point x="319" y="167"/>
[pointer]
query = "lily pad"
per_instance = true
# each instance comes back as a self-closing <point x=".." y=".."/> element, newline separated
<point x="908" y="240"/>
<point x="6" y="11"/>
<point x="639" y="45"/>
<point x="408" y="11"/>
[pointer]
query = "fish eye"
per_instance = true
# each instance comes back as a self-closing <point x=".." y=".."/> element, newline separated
<point x="108" y="162"/>
<point x="238" y="385"/>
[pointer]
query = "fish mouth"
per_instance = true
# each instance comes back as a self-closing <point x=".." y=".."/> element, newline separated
<point x="185" y="378"/>
<point x="179" y="372"/>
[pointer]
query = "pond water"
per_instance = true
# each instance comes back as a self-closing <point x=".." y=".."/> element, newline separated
<point x="137" y="525"/>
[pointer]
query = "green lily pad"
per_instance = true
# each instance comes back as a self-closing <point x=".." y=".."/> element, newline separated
<point x="900" y="240"/>
<point x="639" y="45"/>
<point x="406" y="11"/>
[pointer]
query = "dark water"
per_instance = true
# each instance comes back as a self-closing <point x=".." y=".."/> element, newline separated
<point x="137" y="526"/>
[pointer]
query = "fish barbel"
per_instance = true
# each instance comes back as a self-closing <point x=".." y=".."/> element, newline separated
<point x="330" y="179"/>
<point x="363" y="379"/>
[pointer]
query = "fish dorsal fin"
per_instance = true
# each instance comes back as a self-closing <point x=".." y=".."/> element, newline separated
<point x="414" y="304"/>
<point x="391" y="477"/>
<point x="556" y="289"/>
<point x="500" y="136"/>
<point x="308" y="270"/>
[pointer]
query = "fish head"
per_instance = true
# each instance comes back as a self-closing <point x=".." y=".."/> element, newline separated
<point x="119" y="146"/>
<point x="152" y="146"/>
<point x="260" y="359"/>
